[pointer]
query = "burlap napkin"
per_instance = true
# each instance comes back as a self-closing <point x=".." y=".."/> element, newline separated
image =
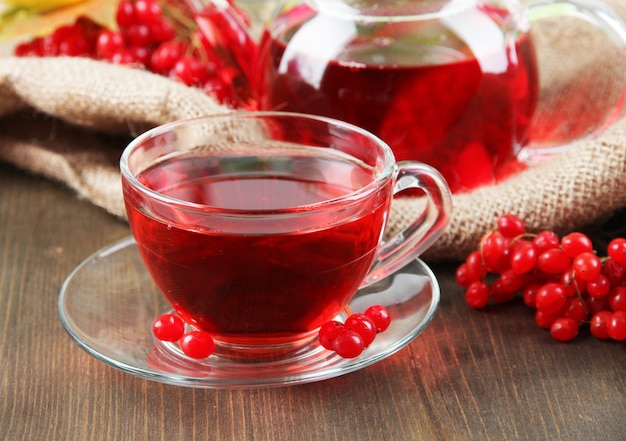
<point x="69" y="119"/>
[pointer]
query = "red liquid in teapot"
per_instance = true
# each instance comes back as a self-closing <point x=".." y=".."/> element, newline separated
<point x="257" y="279"/>
<point x="464" y="108"/>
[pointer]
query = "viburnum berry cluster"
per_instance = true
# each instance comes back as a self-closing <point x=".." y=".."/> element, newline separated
<point x="561" y="278"/>
<point x="349" y="339"/>
<point x="160" y="36"/>
<point x="171" y="328"/>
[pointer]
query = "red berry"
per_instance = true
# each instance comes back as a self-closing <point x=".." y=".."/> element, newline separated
<point x="197" y="344"/>
<point x="614" y="271"/>
<point x="616" y="326"/>
<point x="501" y="291"/>
<point x="511" y="226"/>
<point x="553" y="261"/>
<point x="617" y="299"/>
<point x="599" y="287"/>
<point x="575" y="309"/>
<point x="147" y="11"/>
<point x="461" y="276"/>
<point x="137" y="34"/>
<point x="587" y="266"/>
<point x="572" y="284"/>
<point x="474" y="266"/>
<point x="529" y="294"/>
<point x="617" y="250"/>
<point x="75" y="45"/>
<point x="140" y="55"/>
<point x="596" y="304"/>
<point x="564" y="329"/>
<point x="598" y="324"/>
<point x="551" y="298"/>
<point x="477" y="295"/>
<point x="495" y="251"/>
<point x="380" y="315"/>
<point x="215" y="87"/>
<point x="544" y="320"/>
<point x="524" y="258"/>
<point x="52" y="41"/>
<point x="511" y="281"/>
<point x="161" y="31"/>
<point x="123" y="56"/>
<point x="190" y="71"/>
<point x="364" y="326"/>
<point x="33" y="48"/>
<point x="165" y="56"/>
<point x="108" y="43"/>
<point x="576" y="243"/>
<point x="67" y="40"/>
<point x="348" y="344"/>
<point x="545" y="241"/>
<point x="329" y="332"/>
<point x="168" y="327"/>
<point x="125" y="13"/>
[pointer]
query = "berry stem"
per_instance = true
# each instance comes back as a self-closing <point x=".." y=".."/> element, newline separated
<point x="174" y="11"/>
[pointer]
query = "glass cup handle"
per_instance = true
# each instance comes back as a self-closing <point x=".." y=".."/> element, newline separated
<point x="601" y="16"/>
<point x="416" y="238"/>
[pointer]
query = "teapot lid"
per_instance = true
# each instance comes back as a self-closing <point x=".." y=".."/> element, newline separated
<point x="387" y="9"/>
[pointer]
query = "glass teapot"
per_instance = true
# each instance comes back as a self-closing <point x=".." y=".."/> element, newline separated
<point x="452" y="83"/>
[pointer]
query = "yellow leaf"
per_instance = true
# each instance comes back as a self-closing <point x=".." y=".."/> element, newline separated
<point x="21" y="22"/>
<point x="40" y="5"/>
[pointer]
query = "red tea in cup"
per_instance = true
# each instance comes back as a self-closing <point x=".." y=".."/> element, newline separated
<point x="262" y="239"/>
<point x="235" y="279"/>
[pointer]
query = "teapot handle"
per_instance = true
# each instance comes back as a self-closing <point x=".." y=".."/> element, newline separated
<point x="613" y="27"/>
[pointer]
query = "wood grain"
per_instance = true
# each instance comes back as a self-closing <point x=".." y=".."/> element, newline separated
<point x="489" y="375"/>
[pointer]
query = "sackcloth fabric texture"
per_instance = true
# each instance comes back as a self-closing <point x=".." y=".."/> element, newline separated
<point x="68" y="119"/>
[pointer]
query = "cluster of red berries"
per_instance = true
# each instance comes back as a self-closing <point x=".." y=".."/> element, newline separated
<point x="160" y="37"/>
<point x="347" y="339"/>
<point x="563" y="279"/>
<point x="350" y="339"/>
<point x="171" y="328"/>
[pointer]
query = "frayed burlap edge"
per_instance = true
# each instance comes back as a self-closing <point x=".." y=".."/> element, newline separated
<point x="86" y="104"/>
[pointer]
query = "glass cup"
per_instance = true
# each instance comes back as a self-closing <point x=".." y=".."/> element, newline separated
<point x="258" y="227"/>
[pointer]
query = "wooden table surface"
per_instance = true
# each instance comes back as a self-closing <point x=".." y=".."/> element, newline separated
<point x="471" y="375"/>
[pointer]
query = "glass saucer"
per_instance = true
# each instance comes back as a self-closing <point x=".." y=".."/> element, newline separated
<point x="108" y="304"/>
